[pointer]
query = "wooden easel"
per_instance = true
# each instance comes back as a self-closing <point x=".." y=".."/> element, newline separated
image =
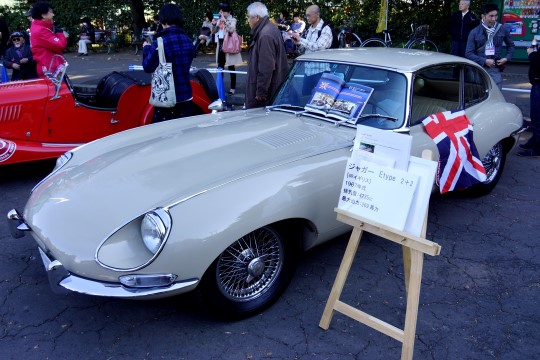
<point x="414" y="249"/>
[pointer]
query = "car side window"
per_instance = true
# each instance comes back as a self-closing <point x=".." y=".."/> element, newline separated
<point x="435" y="90"/>
<point x="476" y="86"/>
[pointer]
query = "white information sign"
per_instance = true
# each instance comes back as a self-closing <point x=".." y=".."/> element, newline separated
<point x="378" y="193"/>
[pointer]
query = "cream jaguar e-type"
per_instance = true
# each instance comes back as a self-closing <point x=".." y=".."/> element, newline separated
<point x="226" y="201"/>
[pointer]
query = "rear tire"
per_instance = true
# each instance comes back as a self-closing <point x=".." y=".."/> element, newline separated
<point x="494" y="164"/>
<point x="208" y="83"/>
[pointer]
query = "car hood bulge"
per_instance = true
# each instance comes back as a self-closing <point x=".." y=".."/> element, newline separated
<point x="168" y="163"/>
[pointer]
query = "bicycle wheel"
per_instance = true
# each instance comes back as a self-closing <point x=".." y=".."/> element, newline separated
<point x="374" y="42"/>
<point x="355" y="40"/>
<point x="423" y="44"/>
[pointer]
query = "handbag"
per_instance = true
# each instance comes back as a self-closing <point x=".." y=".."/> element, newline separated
<point x="163" y="93"/>
<point x="232" y="43"/>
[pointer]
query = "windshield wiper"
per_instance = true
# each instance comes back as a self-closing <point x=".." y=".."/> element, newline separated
<point x="369" y="116"/>
<point x="288" y="106"/>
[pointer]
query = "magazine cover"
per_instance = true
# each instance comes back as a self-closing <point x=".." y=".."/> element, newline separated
<point x="350" y="102"/>
<point x="326" y="91"/>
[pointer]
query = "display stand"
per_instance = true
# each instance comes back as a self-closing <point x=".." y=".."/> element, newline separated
<point x="414" y="249"/>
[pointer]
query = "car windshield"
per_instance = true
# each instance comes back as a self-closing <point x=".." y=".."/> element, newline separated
<point x="344" y="93"/>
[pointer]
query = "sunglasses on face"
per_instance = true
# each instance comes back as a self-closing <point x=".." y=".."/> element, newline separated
<point x="16" y="39"/>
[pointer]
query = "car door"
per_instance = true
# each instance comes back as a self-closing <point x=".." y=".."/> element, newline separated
<point x="433" y="90"/>
<point x="67" y="121"/>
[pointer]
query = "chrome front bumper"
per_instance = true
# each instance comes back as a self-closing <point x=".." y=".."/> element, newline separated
<point x="62" y="280"/>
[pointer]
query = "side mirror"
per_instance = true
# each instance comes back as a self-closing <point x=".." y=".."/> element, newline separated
<point x="216" y="106"/>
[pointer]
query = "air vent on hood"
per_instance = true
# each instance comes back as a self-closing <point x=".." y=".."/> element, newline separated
<point x="287" y="138"/>
<point x="10" y="113"/>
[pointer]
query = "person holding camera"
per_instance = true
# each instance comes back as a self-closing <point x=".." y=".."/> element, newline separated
<point x="532" y="147"/>
<point x="47" y="39"/>
<point x="485" y="44"/>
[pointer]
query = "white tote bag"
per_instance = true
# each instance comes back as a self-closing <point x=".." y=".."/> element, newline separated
<point x="163" y="93"/>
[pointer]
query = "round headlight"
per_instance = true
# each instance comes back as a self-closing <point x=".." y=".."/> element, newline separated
<point x="153" y="231"/>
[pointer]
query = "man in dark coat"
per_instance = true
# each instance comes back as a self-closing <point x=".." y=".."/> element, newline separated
<point x="267" y="64"/>
<point x="19" y="58"/>
<point x="485" y="43"/>
<point x="460" y="25"/>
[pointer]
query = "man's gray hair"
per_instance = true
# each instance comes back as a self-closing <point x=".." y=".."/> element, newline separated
<point x="257" y="9"/>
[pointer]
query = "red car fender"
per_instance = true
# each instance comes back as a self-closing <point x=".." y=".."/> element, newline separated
<point x="200" y="98"/>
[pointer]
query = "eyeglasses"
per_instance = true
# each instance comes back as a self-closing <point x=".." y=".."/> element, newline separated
<point x="16" y="39"/>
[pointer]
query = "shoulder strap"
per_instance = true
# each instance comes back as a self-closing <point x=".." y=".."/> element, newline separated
<point x="161" y="52"/>
<point x="320" y="31"/>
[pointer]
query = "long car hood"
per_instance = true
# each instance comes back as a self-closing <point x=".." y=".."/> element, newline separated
<point x="126" y="174"/>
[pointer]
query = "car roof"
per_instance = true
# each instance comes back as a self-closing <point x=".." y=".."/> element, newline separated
<point x="404" y="60"/>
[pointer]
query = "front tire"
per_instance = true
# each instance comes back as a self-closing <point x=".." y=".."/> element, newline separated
<point x="250" y="274"/>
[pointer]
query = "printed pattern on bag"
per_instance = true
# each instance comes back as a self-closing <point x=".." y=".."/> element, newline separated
<point x="161" y="83"/>
<point x="163" y="92"/>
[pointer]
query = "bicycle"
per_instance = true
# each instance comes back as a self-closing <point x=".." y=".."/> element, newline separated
<point x="417" y="40"/>
<point x="347" y="38"/>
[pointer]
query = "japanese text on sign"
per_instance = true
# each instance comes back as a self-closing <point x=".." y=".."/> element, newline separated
<point x="378" y="193"/>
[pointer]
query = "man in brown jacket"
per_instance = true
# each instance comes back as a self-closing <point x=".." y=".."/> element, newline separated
<point x="267" y="65"/>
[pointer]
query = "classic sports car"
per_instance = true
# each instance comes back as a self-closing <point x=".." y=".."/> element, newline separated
<point x="43" y="118"/>
<point x="226" y="201"/>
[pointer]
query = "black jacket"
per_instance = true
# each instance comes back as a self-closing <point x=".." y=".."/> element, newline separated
<point x="460" y="26"/>
<point x="534" y="68"/>
<point x="28" y="70"/>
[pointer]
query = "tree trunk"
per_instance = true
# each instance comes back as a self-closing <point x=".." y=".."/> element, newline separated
<point x="137" y="15"/>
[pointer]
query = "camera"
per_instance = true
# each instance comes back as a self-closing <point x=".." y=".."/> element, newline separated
<point x="497" y="58"/>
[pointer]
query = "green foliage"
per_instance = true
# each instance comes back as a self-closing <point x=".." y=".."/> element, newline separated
<point x="363" y="14"/>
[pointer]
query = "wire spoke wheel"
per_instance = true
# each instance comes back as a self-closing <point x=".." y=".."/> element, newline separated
<point x="252" y="272"/>
<point x="247" y="268"/>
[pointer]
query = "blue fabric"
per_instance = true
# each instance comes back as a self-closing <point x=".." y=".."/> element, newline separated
<point x="5" y="77"/>
<point x="179" y="51"/>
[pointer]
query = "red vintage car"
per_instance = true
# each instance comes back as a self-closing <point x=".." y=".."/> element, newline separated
<point x="45" y="117"/>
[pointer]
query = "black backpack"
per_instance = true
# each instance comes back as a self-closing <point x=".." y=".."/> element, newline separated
<point x="335" y="41"/>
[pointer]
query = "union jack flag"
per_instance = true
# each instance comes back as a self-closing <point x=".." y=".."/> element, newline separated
<point x="459" y="163"/>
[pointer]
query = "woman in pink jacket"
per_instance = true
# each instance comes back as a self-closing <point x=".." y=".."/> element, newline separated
<point x="47" y="40"/>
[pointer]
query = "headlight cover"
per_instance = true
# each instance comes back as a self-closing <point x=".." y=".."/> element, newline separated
<point x="155" y="227"/>
<point x="137" y="243"/>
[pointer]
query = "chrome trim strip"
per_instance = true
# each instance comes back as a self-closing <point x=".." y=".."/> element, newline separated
<point x="61" y="144"/>
<point x="61" y="280"/>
